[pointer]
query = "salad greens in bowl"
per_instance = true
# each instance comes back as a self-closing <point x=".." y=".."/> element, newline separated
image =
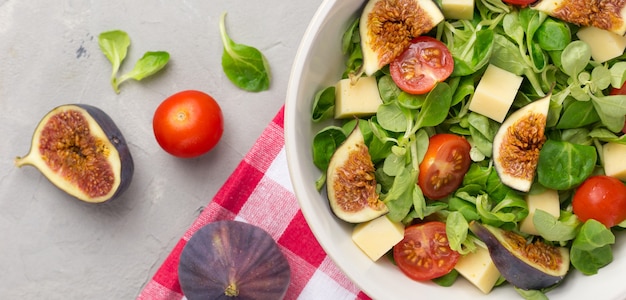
<point x="471" y="150"/>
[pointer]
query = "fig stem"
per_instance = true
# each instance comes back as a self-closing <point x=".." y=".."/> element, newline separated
<point x="231" y="290"/>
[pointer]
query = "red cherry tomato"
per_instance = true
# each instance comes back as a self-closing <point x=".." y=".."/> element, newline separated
<point x="424" y="63"/>
<point x="425" y="253"/>
<point x="519" y="2"/>
<point x="620" y="91"/>
<point x="444" y="166"/>
<point x="188" y="124"/>
<point x="602" y="198"/>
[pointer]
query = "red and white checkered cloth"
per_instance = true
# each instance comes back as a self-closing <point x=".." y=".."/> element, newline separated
<point x="259" y="192"/>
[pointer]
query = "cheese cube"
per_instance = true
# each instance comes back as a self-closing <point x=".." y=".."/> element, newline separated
<point x="479" y="269"/>
<point x="458" y="9"/>
<point x="604" y="44"/>
<point x="377" y="236"/>
<point x="547" y="201"/>
<point x="360" y="99"/>
<point x="614" y="160"/>
<point x="495" y="93"/>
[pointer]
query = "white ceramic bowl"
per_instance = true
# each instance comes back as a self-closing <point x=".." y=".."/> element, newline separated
<point x="318" y="64"/>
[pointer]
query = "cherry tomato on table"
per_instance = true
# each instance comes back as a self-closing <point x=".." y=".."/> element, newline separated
<point x="425" y="252"/>
<point x="522" y="3"/>
<point x="602" y="198"/>
<point x="188" y="124"/>
<point x="422" y="65"/>
<point x="444" y="166"/>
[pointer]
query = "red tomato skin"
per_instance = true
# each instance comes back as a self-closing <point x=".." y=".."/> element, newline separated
<point x="422" y="65"/>
<point x="188" y="124"/>
<point x="602" y="198"/>
<point x="425" y="253"/>
<point x="522" y="3"/>
<point x="447" y="155"/>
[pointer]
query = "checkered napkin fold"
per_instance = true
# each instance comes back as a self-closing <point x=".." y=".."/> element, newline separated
<point x="259" y="192"/>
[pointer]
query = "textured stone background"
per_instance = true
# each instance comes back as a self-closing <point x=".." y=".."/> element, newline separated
<point x="55" y="247"/>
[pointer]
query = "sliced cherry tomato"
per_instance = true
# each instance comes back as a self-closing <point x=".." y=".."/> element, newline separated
<point x="620" y="91"/>
<point x="424" y="63"/>
<point x="425" y="253"/>
<point x="188" y="124"/>
<point x="444" y="166"/>
<point x="602" y="198"/>
<point x="522" y="3"/>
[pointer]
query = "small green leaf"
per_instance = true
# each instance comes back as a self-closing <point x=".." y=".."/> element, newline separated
<point x="618" y="74"/>
<point x="601" y="77"/>
<point x="324" y="104"/>
<point x="245" y="66"/>
<point x="553" y="229"/>
<point x="456" y="230"/>
<point x="563" y="165"/>
<point x="114" y="44"/>
<point x="591" y="250"/>
<point x="575" y="58"/>
<point x="149" y="64"/>
<point x="325" y="143"/>
<point x="435" y="108"/>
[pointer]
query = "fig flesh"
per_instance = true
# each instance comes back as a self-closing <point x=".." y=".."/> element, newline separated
<point x="233" y="260"/>
<point x="388" y="26"/>
<point x="517" y="144"/>
<point x="528" y="266"/>
<point x="350" y="182"/>
<point x="79" y="149"/>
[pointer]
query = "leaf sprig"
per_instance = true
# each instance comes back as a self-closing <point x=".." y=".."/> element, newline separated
<point x="245" y="66"/>
<point x="114" y="44"/>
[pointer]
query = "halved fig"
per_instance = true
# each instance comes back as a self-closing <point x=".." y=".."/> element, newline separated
<point x="528" y="266"/>
<point x="350" y="182"/>
<point x="388" y="26"/>
<point x="233" y="260"/>
<point x="79" y="149"/>
<point x="517" y="144"/>
<point x="607" y="15"/>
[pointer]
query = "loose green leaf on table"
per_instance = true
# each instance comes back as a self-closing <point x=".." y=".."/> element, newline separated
<point x="149" y="64"/>
<point x="245" y="66"/>
<point x="114" y="45"/>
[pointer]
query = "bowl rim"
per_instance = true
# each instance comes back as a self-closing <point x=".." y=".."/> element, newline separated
<point x="605" y="278"/>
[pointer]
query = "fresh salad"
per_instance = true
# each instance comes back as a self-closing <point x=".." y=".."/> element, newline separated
<point x="500" y="129"/>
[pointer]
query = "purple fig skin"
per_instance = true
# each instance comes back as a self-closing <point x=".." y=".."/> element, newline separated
<point x="516" y="271"/>
<point x="117" y="139"/>
<point x="233" y="260"/>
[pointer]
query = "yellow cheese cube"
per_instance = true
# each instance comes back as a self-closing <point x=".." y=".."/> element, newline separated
<point x="614" y="159"/>
<point x="479" y="269"/>
<point x="547" y="201"/>
<point x="458" y="9"/>
<point x="377" y="236"/>
<point x="356" y="100"/>
<point x="604" y="44"/>
<point x="495" y="93"/>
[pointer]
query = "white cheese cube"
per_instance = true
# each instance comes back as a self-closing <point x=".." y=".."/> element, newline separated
<point x="377" y="236"/>
<point x="614" y="160"/>
<point x="360" y="99"/>
<point x="479" y="269"/>
<point x="495" y="93"/>
<point x="547" y="201"/>
<point x="604" y="44"/>
<point x="458" y="9"/>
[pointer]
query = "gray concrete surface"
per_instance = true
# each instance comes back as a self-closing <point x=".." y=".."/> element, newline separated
<point x="53" y="246"/>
